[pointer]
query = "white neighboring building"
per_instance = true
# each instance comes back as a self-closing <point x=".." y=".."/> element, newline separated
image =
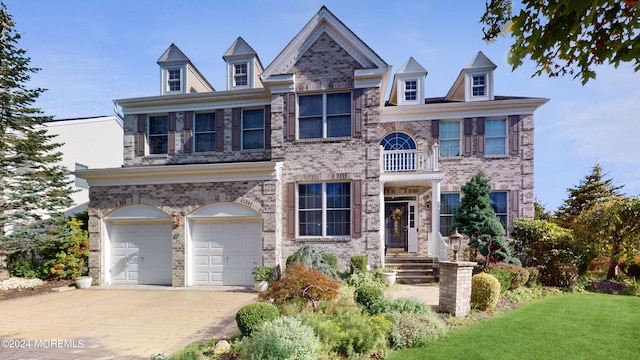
<point x="88" y="143"/>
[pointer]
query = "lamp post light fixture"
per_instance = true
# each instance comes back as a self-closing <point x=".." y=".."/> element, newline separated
<point x="455" y="241"/>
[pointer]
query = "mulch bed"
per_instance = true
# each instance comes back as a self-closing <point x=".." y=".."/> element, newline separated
<point x="45" y="288"/>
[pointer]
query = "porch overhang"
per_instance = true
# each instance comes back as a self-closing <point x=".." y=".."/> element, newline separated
<point x="411" y="178"/>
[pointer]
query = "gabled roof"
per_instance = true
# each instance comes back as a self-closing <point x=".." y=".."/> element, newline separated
<point x="479" y="63"/>
<point x="324" y="22"/>
<point x="239" y="49"/>
<point x="173" y="56"/>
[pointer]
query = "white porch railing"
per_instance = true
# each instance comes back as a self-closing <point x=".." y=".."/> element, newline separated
<point x="409" y="160"/>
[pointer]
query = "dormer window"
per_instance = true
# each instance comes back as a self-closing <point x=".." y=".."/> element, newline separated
<point x="410" y="90"/>
<point x="240" y="75"/>
<point x="174" y="80"/>
<point x="479" y="85"/>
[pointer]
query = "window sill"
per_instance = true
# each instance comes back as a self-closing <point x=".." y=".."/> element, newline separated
<point x="498" y="156"/>
<point x="324" y="140"/>
<point x="323" y="239"/>
<point x="156" y="156"/>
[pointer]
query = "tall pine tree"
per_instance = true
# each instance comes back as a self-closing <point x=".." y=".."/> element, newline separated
<point x="592" y="188"/>
<point x="34" y="187"/>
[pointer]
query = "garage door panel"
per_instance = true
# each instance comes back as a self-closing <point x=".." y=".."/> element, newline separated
<point x="233" y="248"/>
<point x="141" y="253"/>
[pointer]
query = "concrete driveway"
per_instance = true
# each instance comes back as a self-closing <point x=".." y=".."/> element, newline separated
<point x="116" y="322"/>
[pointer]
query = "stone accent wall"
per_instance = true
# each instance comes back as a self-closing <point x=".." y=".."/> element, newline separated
<point x="184" y="199"/>
<point x="455" y="287"/>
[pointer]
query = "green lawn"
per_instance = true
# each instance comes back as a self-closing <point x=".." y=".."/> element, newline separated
<point x="572" y="326"/>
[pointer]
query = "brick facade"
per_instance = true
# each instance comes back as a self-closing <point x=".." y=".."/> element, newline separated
<point x="329" y="64"/>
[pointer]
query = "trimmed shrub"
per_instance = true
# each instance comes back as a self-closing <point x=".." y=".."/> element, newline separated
<point x="388" y="305"/>
<point x="358" y="263"/>
<point x="367" y="295"/>
<point x="518" y="276"/>
<point x="250" y="317"/>
<point x="534" y="276"/>
<point x="503" y="276"/>
<point x="485" y="291"/>
<point x="301" y="283"/>
<point x="559" y="274"/>
<point x="280" y="339"/>
<point x="415" y="329"/>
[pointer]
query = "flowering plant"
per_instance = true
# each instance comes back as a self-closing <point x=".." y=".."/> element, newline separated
<point x="396" y="214"/>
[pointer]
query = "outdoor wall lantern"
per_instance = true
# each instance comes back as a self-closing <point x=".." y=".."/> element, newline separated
<point x="455" y="241"/>
<point x="176" y="219"/>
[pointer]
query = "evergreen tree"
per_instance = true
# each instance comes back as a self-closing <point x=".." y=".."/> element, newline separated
<point x="475" y="218"/>
<point x="592" y="188"/>
<point x="34" y="187"/>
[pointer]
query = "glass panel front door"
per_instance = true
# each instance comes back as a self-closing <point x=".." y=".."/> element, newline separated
<point x="396" y="217"/>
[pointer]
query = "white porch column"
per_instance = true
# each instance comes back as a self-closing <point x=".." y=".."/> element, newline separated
<point x="435" y="243"/>
<point x="381" y="226"/>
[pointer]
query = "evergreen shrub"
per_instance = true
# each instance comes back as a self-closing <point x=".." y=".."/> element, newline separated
<point x="485" y="291"/>
<point x="250" y="317"/>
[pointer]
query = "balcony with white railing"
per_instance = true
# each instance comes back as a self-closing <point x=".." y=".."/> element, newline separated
<point x="412" y="160"/>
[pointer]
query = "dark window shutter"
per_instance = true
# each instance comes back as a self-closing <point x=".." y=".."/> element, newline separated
<point x="171" y="134"/>
<point x="220" y="130"/>
<point x="267" y="126"/>
<point x="356" y="120"/>
<point x="467" y="131"/>
<point x="480" y="131"/>
<point x="435" y="130"/>
<point x="357" y="208"/>
<point x="141" y="135"/>
<point x="291" y="116"/>
<point x="187" y="132"/>
<point x="291" y="210"/>
<point x="235" y="129"/>
<point x="514" y="206"/>
<point x="514" y="139"/>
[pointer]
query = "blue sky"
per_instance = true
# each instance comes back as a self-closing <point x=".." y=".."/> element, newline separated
<point x="92" y="52"/>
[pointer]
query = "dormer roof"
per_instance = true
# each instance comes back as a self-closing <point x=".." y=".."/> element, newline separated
<point x="461" y="87"/>
<point x="410" y="69"/>
<point x="324" y="22"/>
<point x="239" y="50"/>
<point x="173" y="56"/>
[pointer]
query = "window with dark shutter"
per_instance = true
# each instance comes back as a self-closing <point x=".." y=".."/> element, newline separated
<point x="141" y="134"/>
<point x="187" y="132"/>
<point x="514" y="140"/>
<point x="235" y="129"/>
<point x="357" y="113"/>
<point x="171" y="134"/>
<point x="220" y="130"/>
<point x="291" y="116"/>
<point x="357" y="208"/>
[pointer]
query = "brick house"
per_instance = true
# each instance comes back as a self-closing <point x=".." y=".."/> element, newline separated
<point x="306" y="150"/>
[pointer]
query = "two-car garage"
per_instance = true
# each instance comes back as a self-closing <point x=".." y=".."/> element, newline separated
<point x="221" y="244"/>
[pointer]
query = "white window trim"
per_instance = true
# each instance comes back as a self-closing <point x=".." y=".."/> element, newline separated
<point x="324" y="211"/>
<point x="233" y="76"/>
<point x="196" y="133"/>
<point x="505" y="136"/>
<point x="166" y="81"/>
<point x="148" y="134"/>
<point x="460" y="130"/>
<point x="324" y="114"/>
<point x="414" y="91"/>
<point x="488" y="86"/>
<point x="242" y="129"/>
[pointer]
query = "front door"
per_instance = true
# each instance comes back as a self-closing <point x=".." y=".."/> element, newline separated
<point x="396" y="226"/>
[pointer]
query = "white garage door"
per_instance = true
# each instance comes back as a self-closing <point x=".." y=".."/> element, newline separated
<point x="225" y="252"/>
<point x="141" y="254"/>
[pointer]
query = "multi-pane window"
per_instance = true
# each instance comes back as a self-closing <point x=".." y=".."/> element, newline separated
<point x="174" y="79"/>
<point x="449" y="204"/>
<point x="449" y="138"/>
<point x="499" y="205"/>
<point x="158" y="134"/>
<point x="253" y="129"/>
<point x="240" y="74"/>
<point x="205" y="132"/>
<point x="410" y="90"/>
<point x="324" y="115"/>
<point x="495" y="141"/>
<point x="479" y="85"/>
<point x="324" y="209"/>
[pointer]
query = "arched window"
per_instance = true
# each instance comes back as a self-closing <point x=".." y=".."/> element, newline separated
<point x="399" y="152"/>
<point x="398" y="141"/>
